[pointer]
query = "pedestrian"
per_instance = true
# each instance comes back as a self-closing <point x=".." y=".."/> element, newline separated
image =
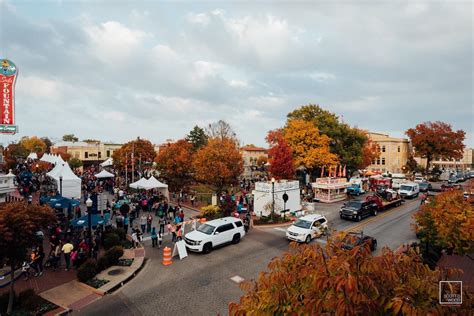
<point x="149" y="220"/>
<point x="154" y="237"/>
<point x="67" y="249"/>
<point x="40" y="259"/>
<point x="34" y="261"/>
<point x="162" y="223"/>
<point x="181" y="215"/>
<point x="56" y="256"/>
<point x="160" y="239"/>
<point x="135" y="238"/>
<point x="194" y="224"/>
<point x="173" y="233"/>
<point x="126" y="222"/>
<point x="179" y="233"/>
<point x="143" y="220"/>
<point x="25" y="270"/>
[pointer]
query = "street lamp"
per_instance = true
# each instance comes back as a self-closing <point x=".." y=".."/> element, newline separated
<point x="61" y="185"/>
<point x="273" y="197"/>
<point x="89" y="222"/>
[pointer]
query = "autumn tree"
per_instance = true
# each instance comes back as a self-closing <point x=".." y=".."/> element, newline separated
<point x="221" y="130"/>
<point x="19" y="223"/>
<point x="219" y="163"/>
<point x="48" y="143"/>
<point x="33" y="144"/>
<point x="262" y="161"/>
<point x="447" y="221"/>
<point x="75" y="163"/>
<point x="280" y="156"/>
<point x="175" y="164"/>
<point x="346" y="142"/>
<point x="70" y="138"/>
<point x="197" y="137"/>
<point x="12" y="153"/>
<point x="436" y="140"/>
<point x="310" y="148"/>
<point x="329" y="280"/>
<point x="134" y="152"/>
<point x="370" y="152"/>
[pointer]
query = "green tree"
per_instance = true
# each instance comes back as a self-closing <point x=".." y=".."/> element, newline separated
<point x="346" y="142"/>
<point x="48" y="143"/>
<point x="19" y="223"/>
<point x="197" y="137"/>
<point x="75" y="163"/>
<point x="70" y="138"/>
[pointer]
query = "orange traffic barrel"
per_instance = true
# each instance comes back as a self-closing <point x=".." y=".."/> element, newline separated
<point x="203" y="220"/>
<point x="167" y="256"/>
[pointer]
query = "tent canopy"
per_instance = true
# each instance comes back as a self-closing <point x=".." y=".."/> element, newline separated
<point x="104" y="174"/>
<point x="155" y="184"/>
<point x="140" y="184"/>
<point x="71" y="184"/>
<point x="84" y="221"/>
<point x="107" y="163"/>
<point x="60" y="202"/>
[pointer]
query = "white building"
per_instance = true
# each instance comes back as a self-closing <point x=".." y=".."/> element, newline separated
<point x="263" y="197"/>
<point x="7" y="185"/>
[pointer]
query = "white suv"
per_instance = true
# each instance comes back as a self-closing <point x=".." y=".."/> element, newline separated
<point x="215" y="233"/>
<point x="307" y="227"/>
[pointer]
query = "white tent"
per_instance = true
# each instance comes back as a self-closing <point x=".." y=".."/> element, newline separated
<point x="32" y="156"/>
<point x="160" y="186"/>
<point x="71" y="184"/>
<point x="107" y="163"/>
<point x="46" y="158"/>
<point x="59" y="159"/>
<point x="104" y="174"/>
<point x="140" y="184"/>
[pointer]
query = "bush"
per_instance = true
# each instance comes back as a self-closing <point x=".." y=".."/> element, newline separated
<point x="111" y="240"/>
<point x="87" y="270"/>
<point x="113" y="255"/>
<point x="119" y="231"/>
<point x="211" y="211"/>
<point x="103" y="263"/>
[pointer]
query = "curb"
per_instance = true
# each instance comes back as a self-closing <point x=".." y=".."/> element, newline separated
<point x="192" y="208"/>
<point x="126" y="280"/>
<point x="92" y="289"/>
<point x="271" y="225"/>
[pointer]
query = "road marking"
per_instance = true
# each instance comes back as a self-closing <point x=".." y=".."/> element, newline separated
<point x="280" y="229"/>
<point x="237" y="279"/>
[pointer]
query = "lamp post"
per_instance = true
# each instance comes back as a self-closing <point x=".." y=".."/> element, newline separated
<point x="273" y="197"/>
<point x="61" y="185"/>
<point x="89" y="223"/>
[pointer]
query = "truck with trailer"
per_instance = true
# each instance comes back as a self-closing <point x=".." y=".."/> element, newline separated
<point x="385" y="200"/>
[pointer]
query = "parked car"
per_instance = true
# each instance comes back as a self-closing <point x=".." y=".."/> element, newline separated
<point x="214" y="233"/>
<point x="425" y="186"/>
<point x="419" y="180"/>
<point x="409" y="190"/>
<point x="307" y="227"/>
<point x="353" y="239"/>
<point x="358" y="209"/>
<point x="450" y="187"/>
<point x="453" y="179"/>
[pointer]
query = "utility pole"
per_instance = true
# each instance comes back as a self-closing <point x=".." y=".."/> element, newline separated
<point x="126" y="169"/>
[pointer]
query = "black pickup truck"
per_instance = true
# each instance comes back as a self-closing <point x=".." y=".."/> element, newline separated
<point x="358" y="209"/>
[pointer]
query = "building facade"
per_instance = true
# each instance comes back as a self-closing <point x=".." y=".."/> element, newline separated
<point x="394" y="153"/>
<point x="250" y="155"/>
<point x="87" y="152"/>
<point x="466" y="163"/>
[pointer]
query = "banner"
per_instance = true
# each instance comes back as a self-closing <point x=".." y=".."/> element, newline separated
<point x="8" y="73"/>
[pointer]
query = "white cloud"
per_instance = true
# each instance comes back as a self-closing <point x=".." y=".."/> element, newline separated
<point x="322" y="76"/>
<point x="36" y="87"/>
<point x="114" y="116"/>
<point x="198" y="18"/>
<point x="271" y="101"/>
<point x="238" y="83"/>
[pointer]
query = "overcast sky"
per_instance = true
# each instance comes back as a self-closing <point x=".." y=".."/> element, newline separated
<point x="115" y="70"/>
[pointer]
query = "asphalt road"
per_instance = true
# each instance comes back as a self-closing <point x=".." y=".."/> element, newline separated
<point x="202" y="285"/>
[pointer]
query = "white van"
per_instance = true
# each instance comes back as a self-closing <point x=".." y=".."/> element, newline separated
<point x="409" y="190"/>
<point x="306" y="228"/>
<point x="398" y="179"/>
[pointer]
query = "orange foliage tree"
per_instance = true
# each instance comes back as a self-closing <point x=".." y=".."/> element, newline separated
<point x="175" y="164"/>
<point x="436" y="140"/>
<point x="140" y="148"/>
<point x="33" y="144"/>
<point x="310" y="149"/>
<point x="280" y="155"/>
<point x="19" y="223"/>
<point x="219" y="163"/>
<point x="447" y="222"/>
<point x="370" y="152"/>
<point x="313" y="280"/>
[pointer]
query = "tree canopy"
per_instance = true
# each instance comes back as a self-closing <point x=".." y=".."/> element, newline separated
<point x="329" y="280"/>
<point x="280" y="156"/>
<point x="221" y="130"/>
<point x="310" y="148"/>
<point x="346" y="142"/>
<point x="175" y="164"/>
<point x="219" y="163"/>
<point x="33" y="144"/>
<point x="70" y="138"/>
<point x="197" y="137"/>
<point x="436" y="140"/>
<point x="140" y="149"/>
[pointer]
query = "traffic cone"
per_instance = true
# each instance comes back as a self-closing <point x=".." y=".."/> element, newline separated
<point x="167" y="256"/>
<point x="203" y="220"/>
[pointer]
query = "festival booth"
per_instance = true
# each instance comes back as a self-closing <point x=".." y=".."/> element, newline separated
<point x="159" y="186"/>
<point x="329" y="190"/>
<point x="71" y="184"/>
<point x="140" y="184"/>
<point x="107" y="163"/>
<point x="104" y="174"/>
<point x="263" y="199"/>
<point x="47" y="158"/>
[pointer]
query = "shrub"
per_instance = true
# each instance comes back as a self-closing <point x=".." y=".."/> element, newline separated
<point x="103" y="263"/>
<point x="87" y="270"/>
<point x="114" y="254"/>
<point x="111" y="240"/>
<point x="25" y="295"/>
<point x="119" y="231"/>
<point x="210" y="211"/>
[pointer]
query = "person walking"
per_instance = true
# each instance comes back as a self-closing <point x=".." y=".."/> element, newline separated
<point x="181" y="215"/>
<point x="194" y="224"/>
<point x="67" y="249"/>
<point x="135" y="238"/>
<point x="143" y="220"/>
<point x="56" y="256"/>
<point x="154" y="238"/>
<point x="173" y="233"/>
<point x="40" y="259"/>
<point x="162" y="222"/>
<point x="149" y="220"/>
<point x="179" y="233"/>
<point x="160" y="239"/>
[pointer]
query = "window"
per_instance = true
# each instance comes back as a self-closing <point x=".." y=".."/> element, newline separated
<point x="100" y="154"/>
<point x="238" y="224"/>
<point x="383" y="148"/>
<point x="108" y="153"/>
<point x="378" y="161"/>
<point x="321" y="221"/>
<point x="398" y="149"/>
<point x="383" y="161"/>
<point x="224" y="228"/>
<point x="86" y="155"/>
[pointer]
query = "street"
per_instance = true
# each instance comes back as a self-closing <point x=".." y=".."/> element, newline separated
<point x="202" y="284"/>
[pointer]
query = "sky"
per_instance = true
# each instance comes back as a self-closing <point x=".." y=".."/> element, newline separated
<point x="115" y="70"/>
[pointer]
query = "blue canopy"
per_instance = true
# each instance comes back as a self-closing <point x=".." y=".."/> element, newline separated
<point x="60" y="202"/>
<point x="83" y="221"/>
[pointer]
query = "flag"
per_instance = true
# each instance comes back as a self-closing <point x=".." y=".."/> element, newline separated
<point x="322" y="172"/>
